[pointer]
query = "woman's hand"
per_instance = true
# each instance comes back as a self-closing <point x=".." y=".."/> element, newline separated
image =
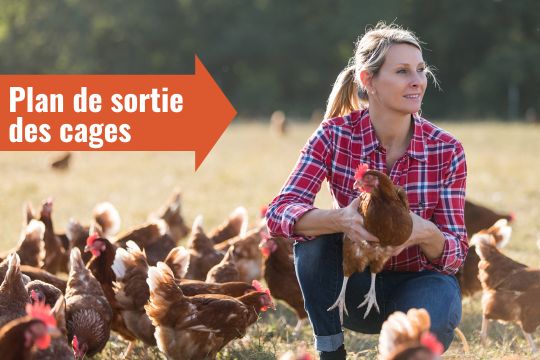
<point x="425" y="234"/>
<point x="352" y="223"/>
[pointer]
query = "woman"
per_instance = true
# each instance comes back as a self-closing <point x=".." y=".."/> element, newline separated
<point x="381" y="128"/>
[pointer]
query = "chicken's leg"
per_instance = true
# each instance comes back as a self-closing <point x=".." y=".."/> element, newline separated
<point x="298" y="327"/>
<point x="340" y="302"/>
<point x="484" y="331"/>
<point x="529" y="338"/>
<point x="129" y="350"/>
<point x="371" y="298"/>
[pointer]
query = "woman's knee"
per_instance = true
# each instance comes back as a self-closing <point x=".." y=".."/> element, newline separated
<point x="317" y="255"/>
<point x="439" y="294"/>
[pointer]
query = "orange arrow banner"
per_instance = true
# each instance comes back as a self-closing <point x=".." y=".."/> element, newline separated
<point x="113" y="112"/>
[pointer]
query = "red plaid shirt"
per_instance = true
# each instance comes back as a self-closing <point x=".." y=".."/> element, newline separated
<point x="432" y="171"/>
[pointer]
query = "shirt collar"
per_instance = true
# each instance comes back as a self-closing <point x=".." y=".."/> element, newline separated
<point x="416" y="148"/>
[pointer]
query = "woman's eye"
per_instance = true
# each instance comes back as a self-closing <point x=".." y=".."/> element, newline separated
<point x="421" y="69"/>
<point x="401" y="71"/>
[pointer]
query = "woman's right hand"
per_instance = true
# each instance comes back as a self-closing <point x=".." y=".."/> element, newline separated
<point x="352" y="223"/>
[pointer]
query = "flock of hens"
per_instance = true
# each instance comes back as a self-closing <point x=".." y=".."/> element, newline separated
<point x="191" y="301"/>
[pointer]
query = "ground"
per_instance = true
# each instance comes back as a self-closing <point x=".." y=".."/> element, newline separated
<point x="247" y="167"/>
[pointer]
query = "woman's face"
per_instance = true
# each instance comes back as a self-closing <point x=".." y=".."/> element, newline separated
<point x="401" y="82"/>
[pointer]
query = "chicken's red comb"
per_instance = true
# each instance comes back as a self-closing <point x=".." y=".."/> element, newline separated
<point x="258" y="287"/>
<point x="41" y="311"/>
<point x="90" y="240"/>
<point x="75" y="343"/>
<point x="360" y="171"/>
<point x="512" y="217"/>
<point x="430" y="341"/>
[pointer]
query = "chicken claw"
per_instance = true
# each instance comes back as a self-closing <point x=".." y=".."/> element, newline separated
<point x="340" y="302"/>
<point x="371" y="298"/>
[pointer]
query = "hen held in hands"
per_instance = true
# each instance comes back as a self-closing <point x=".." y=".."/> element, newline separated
<point x="385" y="210"/>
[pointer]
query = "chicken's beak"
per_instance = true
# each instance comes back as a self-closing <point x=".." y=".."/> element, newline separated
<point x="87" y="248"/>
<point x="54" y="332"/>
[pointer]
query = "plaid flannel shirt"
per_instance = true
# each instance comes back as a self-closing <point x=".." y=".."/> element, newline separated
<point x="432" y="171"/>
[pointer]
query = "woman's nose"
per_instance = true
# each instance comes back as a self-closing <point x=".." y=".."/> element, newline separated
<point x="416" y="80"/>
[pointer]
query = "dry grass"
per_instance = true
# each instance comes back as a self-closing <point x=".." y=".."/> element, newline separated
<point x="247" y="167"/>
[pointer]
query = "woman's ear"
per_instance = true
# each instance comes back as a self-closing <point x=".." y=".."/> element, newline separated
<point x="366" y="81"/>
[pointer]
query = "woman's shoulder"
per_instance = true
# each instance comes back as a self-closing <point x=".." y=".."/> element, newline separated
<point x="346" y="121"/>
<point x="434" y="134"/>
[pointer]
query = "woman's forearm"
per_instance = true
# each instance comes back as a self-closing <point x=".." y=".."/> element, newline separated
<point x="428" y="237"/>
<point x="319" y="222"/>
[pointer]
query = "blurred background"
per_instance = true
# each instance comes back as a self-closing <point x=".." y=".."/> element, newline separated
<point x="278" y="54"/>
<point x="276" y="61"/>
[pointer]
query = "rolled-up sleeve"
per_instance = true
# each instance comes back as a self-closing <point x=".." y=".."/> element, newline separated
<point x="449" y="215"/>
<point x="299" y="191"/>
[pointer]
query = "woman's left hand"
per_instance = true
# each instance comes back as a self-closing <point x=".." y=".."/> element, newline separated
<point x="420" y="231"/>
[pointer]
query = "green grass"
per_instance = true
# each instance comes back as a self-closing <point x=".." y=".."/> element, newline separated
<point x="247" y="167"/>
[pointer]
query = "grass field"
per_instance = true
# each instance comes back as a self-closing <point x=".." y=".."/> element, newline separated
<point x="247" y="167"/>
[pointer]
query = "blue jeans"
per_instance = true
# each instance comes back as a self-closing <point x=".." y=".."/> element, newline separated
<point x="319" y="268"/>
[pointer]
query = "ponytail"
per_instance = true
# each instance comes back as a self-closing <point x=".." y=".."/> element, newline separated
<point x="344" y="96"/>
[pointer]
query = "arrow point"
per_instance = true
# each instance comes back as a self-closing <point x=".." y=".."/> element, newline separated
<point x="223" y="112"/>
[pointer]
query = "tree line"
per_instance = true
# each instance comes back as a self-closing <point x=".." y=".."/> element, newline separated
<point x="278" y="54"/>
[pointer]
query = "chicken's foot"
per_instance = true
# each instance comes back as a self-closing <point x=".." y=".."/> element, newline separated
<point x="298" y="327"/>
<point x="371" y="298"/>
<point x="129" y="350"/>
<point x="340" y="302"/>
<point x="529" y="338"/>
<point x="484" y="331"/>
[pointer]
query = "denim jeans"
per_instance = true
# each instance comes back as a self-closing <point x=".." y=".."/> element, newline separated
<point x="319" y="268"/>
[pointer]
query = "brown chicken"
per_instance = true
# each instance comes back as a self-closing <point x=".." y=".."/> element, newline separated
<point x="385" y="210"/>
<point x="235" y="225"/>
<point x="510" y="290"/>
<point x="20" y="339"/>
<point x="30" y="248"/>
<point x="171" y="213"/>
<point x="178" y="261"/>
<point x="59" y="349"/>
<point x="197" y="287"/>
<point x="202" y="254"/>
<point x="152" y="238"/>
<point x="61" y="162"/>
<point x="34" y="273"/>
<point x="108" y="218"/>
<point x="88" y="312"/>
<point x="106" y="223"/>
<point x="13" y="293"/>
<point x="132" y="293"/>
<point x="42" y="292"/>
<point x="28" y="213"/>
<point x="77" y="234"/>
<point x="407" y="337"/>
<point x="247" y="255"/>
<point x="278" y="123"/>
<point x="225" y="271"/>
<point x="198" y="327"/>
<point x="56" y="255"/>
<point x="477" y="218"/>
<point x="103" y="254"/>
<point x="280" y="276"/>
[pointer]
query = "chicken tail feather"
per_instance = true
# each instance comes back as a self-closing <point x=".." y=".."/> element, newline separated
<point x="107" y="216"/>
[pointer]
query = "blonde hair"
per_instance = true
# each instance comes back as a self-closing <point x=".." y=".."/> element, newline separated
<point x="348" y="94"/>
